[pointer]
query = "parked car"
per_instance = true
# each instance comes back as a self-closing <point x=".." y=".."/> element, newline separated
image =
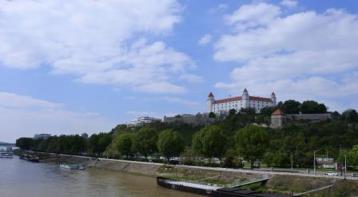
<point x="331" y="173"/>
<point x="355" y="175"/>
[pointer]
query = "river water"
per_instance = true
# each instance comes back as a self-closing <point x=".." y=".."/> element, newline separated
<point x="20" y="178"/>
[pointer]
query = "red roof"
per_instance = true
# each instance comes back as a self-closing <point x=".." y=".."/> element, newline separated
<point x="256" y="98"/>
<point x="237" y="98"/>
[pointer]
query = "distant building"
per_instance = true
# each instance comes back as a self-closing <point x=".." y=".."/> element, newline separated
<point x="278" y="118"/>
<point x="143" y="120"/>
<point x="245" y="101"/>
<point x="42" y="136"/>
<point x="326" y="162"/>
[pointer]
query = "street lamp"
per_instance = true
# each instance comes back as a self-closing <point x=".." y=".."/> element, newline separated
<point x="345" y="165"/>
<point x="314" y="162"/>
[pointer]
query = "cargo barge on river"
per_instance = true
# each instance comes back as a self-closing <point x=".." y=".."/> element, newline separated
<point x="208" y="190"/>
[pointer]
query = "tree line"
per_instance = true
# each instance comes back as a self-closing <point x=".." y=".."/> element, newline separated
<point x="230" y="141"/>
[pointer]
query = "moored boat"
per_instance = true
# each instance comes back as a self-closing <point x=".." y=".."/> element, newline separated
<point x="72" y="166"/>
<point x="6" y="155"/>
<point x="29" y="157"/>
<point x="186" y="186"/>
<point x="209" y="190"/>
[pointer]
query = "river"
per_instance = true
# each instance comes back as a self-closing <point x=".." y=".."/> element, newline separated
<point x="20" y="178"/>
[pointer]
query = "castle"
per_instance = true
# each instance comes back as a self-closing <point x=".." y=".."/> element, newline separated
<point x="245" y="101"/>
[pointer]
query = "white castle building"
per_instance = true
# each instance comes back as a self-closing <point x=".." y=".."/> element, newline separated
<point x="245" y="101"/>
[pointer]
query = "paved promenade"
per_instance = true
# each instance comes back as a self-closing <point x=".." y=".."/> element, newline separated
<point x="266" y="171"/>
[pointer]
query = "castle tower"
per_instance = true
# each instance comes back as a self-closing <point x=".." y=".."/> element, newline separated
<point x="273" y="98"/>
<point x="211" y="100"/>
<point x="245" y="99"/>
<point x="277" y="119"/>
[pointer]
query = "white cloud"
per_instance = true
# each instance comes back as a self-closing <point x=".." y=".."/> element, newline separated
<point x="305" y="55"/>
<point x="14" y="101"/>
<point x="253" y="15"/>
<point x="220" y="8"/>
<point x="25" y="116"/>
<point x="92" y="39"/>
<point x="181" y="101"/>
<point x="289" y="3"/>
<point x="191" y="78"/>
<point x="206" y="39"/>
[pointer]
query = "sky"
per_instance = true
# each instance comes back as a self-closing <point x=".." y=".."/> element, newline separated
<point x="68" y="67"/>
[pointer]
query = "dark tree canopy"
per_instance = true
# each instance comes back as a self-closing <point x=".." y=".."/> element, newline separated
<point x="24" y="143"/>
<point x="290" y="107"/>
<point x="212" y="115"/>
<point x="350" y="115"/>
<point x="313" y="107"/>
<point x="98" y="143"/>
<point x="267" y="111"/>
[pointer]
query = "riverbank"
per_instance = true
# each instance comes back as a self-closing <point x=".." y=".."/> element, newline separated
<point x="281" y="182"/>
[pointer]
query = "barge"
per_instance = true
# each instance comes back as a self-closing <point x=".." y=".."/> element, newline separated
<point x="208" y="190"/>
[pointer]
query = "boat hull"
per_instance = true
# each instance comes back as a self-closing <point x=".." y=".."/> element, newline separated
<point x="164" y="183"/>
<point x="215" y="192"/>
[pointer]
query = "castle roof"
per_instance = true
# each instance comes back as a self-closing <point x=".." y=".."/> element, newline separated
<point x="238" y="98"/>
<point x="211" y="94"/>
<point x="257" y="98"/>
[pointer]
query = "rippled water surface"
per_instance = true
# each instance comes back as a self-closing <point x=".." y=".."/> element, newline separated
<point x="20" y="178"/>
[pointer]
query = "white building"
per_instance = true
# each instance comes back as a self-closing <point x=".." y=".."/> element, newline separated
<point x="143" y="120"/>
<point x="245" y="101"/>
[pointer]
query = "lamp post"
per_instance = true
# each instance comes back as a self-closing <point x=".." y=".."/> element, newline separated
<point x="314" y="162"/>
<point x="345" y="166"/>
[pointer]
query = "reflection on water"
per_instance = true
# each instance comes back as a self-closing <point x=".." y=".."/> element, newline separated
<point x="20" y="178"/>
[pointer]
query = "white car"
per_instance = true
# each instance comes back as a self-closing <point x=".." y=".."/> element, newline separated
<point x="331" y="173"/>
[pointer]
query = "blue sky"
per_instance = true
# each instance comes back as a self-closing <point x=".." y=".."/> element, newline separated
<point x="85" y="66"/>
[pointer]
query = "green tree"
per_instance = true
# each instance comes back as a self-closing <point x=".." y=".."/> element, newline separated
<point x="312" y="107"/>
<point x="145" y="141"/>
<point x="212" y="115"/>
<point x="267" y="111"/>
<point x="24" y="143"/>
<point x="124" y="144"/>
<point x="98" y="143"/>
<point x="251" y="143"/>
<point x="210" y="142"/>
<point x="350" y="115"/>
<point x="170" y="144"/>
<point x="291" y="107"/>
<point x="351" y="155"/>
